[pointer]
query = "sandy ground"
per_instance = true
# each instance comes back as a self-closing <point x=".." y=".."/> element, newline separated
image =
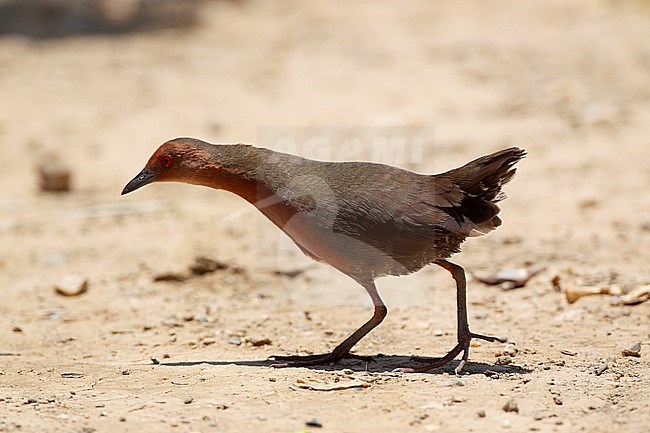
<point x="568" y="81"/>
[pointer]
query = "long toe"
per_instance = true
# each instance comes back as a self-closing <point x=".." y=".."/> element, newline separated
<point x="438" y="362"/>
<point x="464" y="339"/>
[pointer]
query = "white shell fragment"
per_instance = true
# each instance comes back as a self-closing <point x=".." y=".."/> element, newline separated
<point x="509" y="278"/>
<point x="71" y="285"/>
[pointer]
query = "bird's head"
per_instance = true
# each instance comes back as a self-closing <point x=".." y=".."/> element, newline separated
<point x="176" y="160"/>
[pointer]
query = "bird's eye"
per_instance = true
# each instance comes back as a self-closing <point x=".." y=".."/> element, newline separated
<point x="166" y="161"/>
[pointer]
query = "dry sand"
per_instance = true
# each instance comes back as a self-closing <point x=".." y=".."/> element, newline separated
<point x="568" y="81"/>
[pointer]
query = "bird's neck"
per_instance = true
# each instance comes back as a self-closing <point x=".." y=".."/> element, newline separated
<point x="249" y="187"/>
<point x="255" y="174"/>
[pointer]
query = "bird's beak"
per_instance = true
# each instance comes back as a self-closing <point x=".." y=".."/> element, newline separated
<point x="143" y="178"/>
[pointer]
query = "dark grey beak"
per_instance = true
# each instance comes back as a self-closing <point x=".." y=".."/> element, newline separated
<point x="145" y="177"/>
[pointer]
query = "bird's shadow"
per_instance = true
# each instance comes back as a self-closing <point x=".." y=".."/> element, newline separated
<point x="378" y="364"/>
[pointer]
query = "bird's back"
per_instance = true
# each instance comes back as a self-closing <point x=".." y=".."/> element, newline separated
<point x="370" y="219"/>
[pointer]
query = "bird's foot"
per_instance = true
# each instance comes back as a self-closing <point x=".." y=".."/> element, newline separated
<point x="310" y="360"/>
<point x="464" y="339"/>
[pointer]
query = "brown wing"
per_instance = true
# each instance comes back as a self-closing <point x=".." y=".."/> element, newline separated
<point x="408" y="214"/>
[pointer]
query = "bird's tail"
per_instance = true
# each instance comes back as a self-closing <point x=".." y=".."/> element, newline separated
<point x="484" y="177"/>
<point x="480" y="183"/>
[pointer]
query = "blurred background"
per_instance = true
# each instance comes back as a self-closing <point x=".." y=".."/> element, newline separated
<point x="90" y="88"/>
<point x="96" y="85"/>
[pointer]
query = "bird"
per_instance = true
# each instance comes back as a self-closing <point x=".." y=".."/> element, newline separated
<point x="365" y="219"/>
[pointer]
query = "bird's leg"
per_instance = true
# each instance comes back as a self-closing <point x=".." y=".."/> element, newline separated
<point x="464" y="334"/>
<point x="343" y="349"/>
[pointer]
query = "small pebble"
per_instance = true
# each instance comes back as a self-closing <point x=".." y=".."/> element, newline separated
<point x="633" y="351"/>
<point x="511" y="406"/>
<point x="600" y="368"/>
<point x="55" y="175"/>
<point x="313" y="423"/>
<point x="257" y="342"/>
<point x="510" y="350"/>
<point x="453" y="382"/>
<point x="71" y="285"/>
<point x="235" y="340"/>
<point x="504" y="360"/>
<point x="557" y="400"/>
<point x="481" y="413"/>
<point x="188" y="400"/>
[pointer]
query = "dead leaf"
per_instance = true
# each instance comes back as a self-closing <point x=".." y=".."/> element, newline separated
<point x="200" y="266"/>
<point x="292" y="273"/>
<point x="170" y="276"/>
<point x="574" y="293"/>
<point x="636" y="296"/>
<point x="204" y="265"/>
